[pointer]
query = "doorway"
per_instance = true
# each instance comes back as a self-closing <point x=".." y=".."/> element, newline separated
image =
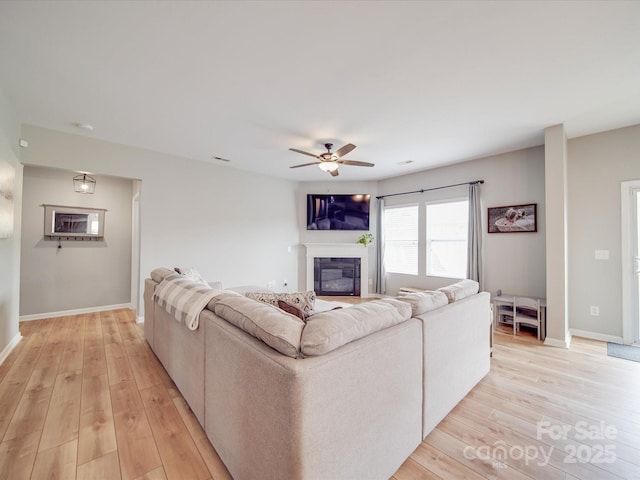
<point x="65" y="277"/>
<point x="631" y="262"/>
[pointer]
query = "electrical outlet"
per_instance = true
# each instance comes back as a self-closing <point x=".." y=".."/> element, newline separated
<point x="595" y="311"/>
<point x="271" y="283"/>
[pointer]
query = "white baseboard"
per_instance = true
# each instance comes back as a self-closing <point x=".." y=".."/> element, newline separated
<point x="554" y="342"/>
<point x="80" y="311"/>
<point x="7" y="350"/>
<point x="596" y="336"/>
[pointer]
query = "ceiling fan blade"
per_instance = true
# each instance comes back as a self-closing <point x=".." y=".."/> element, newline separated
<point x="334" y="173"/>
<point x="356" y="163"/>
<point x="344" y="150"/>
<point x="305" y="164"/>
<point x="304" y="153"/>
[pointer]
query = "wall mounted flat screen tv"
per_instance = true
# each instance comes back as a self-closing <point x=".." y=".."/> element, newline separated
<point x="337" y="212"/>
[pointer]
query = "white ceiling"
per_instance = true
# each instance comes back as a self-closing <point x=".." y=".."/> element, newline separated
<point x="427" y="81"/>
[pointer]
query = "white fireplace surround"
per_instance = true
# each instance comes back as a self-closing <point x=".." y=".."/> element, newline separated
<point x="339" y="250"/>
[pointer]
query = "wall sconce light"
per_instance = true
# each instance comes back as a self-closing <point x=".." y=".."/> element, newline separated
<point x="84" y="183"/>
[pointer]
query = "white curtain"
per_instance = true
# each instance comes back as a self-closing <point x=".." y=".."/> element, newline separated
<point x="474" y="244"/>
<point x="380" y="283"/>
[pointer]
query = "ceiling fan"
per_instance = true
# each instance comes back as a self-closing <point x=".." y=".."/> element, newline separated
<point x="330" y="161"/>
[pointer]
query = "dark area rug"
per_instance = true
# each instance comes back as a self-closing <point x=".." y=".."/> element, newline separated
<point x="628" y="352"/>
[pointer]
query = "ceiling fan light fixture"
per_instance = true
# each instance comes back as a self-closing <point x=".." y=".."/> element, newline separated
<point x="330" y="161"/>
<point x="328" y="166"/>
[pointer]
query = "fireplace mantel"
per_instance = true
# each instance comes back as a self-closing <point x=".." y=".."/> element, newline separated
<point x="339" y="250"/>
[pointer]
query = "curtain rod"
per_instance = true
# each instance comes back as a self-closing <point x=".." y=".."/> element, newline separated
<point x="475" y="182"/>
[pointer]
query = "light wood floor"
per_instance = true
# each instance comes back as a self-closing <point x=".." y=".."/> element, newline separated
<point x="83" y="397"/>
<point x="541" y="413"/>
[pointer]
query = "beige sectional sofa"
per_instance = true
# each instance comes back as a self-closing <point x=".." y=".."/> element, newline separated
<point x="353" y="399"/>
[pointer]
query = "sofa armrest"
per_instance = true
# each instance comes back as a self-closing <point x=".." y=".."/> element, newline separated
<point x="456" y="354"/>
<point x="149" y="288"/>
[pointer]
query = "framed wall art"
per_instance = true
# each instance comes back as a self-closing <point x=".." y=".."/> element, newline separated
<point x="73" y="222"/>
<point x="513" y="219"/>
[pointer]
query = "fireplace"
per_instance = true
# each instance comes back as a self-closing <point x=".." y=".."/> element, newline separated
<point x="336" y="276"/>
<point x="338" y="251"/>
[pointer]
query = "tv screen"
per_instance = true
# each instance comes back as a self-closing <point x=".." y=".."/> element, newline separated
<point x="337" y="212"/>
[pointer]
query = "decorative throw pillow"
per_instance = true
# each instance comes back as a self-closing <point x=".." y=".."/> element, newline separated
<point x="293" y="310"/>
<point x="192" y="274"/>
<point x="303" y="300"/>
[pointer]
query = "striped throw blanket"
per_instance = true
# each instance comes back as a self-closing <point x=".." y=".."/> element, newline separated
<point x="183" y="298"/>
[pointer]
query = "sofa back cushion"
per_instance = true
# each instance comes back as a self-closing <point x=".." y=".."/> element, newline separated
<point x="276" y="328"/>
<point x="423" y="302"/>
<point x="219" y="295"/>
<point x="327" y="331"/>
<point x="460" y="290"/>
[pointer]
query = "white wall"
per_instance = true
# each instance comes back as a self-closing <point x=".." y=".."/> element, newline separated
<point x="233" y="226"/>
<point x="512" y="262"/>
<point x="597" y="165"/>
<point x="10" y="247"/>
<point x="237" y="227"/>
<point x="80" y="274"/>
<point x="332" y="236"/>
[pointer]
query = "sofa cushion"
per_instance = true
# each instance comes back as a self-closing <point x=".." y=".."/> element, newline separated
<point x="327" y="331"/>
<point x="422" y="302"/>
<point x="219" y="295"/>
<point x="459" y="290"/>
<point x="302" y="300"/>
<point x="278" y="329"/>
<point x="159" y="274"/>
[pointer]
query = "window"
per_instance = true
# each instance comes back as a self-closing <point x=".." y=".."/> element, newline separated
<point x="401" y="239"/>
<point x="447" y="226"/>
